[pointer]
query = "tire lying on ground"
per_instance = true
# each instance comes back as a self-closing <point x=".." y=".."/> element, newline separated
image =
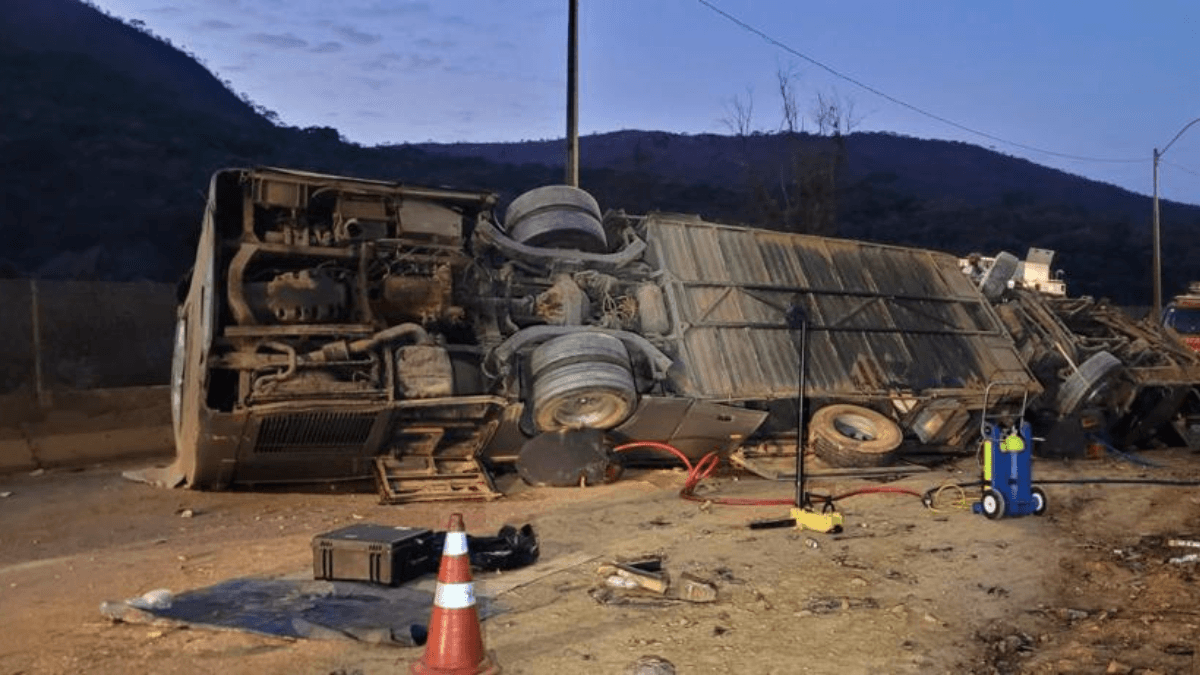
<point x="847" y="435"/>
<point x="1086" y="382"/>
<point x="557" y="216"/>
<point x="582" y="381"/>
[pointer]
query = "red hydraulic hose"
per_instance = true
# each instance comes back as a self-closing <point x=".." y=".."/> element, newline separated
<point x="708" y="466"/>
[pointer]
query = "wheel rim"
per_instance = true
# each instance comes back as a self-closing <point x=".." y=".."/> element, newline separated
<point x="588" y="410"/>
<point x="989" y="504"/>
<point x="856" y="427"/>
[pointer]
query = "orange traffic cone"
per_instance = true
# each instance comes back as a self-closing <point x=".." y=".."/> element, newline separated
<point x="455" y="645"/>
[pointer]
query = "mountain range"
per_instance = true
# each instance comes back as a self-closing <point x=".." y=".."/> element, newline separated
<point x="110" y="134"/>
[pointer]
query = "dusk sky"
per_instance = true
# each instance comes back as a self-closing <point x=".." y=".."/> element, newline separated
<point x="1097" y="80"/>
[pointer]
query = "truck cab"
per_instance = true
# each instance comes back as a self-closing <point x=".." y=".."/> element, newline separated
<point x="1182" y="315"/>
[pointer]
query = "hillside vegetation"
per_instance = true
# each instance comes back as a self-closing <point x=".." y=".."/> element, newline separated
<point x="110" y="136"/>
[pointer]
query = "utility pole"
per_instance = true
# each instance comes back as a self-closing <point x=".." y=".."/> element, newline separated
<point x="1157" y="266"/>
<point x="573" y="95"/>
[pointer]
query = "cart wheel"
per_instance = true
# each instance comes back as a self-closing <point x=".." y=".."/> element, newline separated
<point x="993" y="504"/>
<point x="1039" y="501"/>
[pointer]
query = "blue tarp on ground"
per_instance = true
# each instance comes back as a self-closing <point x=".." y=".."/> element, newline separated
<point x="295" y="609"/>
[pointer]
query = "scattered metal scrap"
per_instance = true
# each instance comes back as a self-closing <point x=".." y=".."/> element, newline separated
<point x="645" y="581"/>
<point x="647" y="575"/>
<point x="1106" y="376"/>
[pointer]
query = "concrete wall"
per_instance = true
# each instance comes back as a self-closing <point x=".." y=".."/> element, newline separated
<point x="84" y="335"/>
<point x="82" y="427"/>
<point x="16" y="336"/>
<point x="84" y="371"/>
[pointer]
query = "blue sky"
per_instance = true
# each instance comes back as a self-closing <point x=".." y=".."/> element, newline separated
<point x="1099" y="80"/>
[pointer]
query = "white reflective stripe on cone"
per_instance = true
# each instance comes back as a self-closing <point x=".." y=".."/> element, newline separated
<point x="455" y="596"/>
<point x="456" y="544"/>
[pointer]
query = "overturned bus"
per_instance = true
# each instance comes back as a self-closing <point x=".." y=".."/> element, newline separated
<point x="339" y="329"/>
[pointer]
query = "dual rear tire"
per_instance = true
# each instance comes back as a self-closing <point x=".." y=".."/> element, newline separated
<point x="582" y="381"/>
<point x="557" y="216"/>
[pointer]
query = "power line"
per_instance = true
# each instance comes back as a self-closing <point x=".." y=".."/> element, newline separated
<point x="1181" y="168"/>
<point x="893" y="99"/>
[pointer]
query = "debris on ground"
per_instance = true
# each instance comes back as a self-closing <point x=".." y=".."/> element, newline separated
<point x="635" y="581"/>
<point x="824" y="604"/>
<point x="694" y="589"/>
<point x="651" y="665"/>
<point x="647" y="575"/>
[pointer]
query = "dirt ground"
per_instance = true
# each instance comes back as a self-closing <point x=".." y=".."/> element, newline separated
<point x="1087" y="588"/>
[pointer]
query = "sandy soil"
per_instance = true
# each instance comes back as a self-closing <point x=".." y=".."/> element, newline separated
<point x="1085" y="589"/>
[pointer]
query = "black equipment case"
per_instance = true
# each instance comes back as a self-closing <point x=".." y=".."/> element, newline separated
<point x="377" y="553"/>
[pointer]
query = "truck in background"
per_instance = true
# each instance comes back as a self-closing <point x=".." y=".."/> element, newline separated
<point x="1182" y="315"/>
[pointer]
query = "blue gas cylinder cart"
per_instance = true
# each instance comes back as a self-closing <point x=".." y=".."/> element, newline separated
<point x="1007" y="463"/>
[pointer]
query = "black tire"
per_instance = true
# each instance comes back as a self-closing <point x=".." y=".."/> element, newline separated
<point x="992" y="504"/>
<point x="583" y="395"/>
<point x="848" y="435"/>
<point x="550" y="195"/>
<point x="557" y="216"/>
<point x="576" y="347"/>
<point x="1083" y="384"/>
<point x="1039" y="501"/>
